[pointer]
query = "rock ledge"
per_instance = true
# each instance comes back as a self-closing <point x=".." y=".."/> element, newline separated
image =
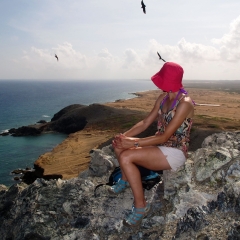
<point x="199" y="201"/>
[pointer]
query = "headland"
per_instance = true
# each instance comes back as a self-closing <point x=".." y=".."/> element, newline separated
<point x="71" y="157"/>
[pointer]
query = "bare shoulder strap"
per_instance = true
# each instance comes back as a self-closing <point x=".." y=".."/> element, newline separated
<point x="164" y="100"/>
<point x="182" y="90"/>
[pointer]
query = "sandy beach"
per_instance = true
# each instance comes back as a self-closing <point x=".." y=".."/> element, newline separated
<point x="72" y="156"/>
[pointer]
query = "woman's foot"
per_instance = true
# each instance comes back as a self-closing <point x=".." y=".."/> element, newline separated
<point x="135" y="218"/>
<point x="119" y="187"/>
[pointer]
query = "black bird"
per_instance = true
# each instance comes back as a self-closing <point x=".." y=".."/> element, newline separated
<point x="160" y="57"/>
<point x="143" y="7"/>
<point x="56" y="56"/>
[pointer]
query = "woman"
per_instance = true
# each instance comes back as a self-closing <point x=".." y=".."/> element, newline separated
<point x="166" y="150"/>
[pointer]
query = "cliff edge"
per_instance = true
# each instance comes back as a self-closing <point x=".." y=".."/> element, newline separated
<point x="199" y="201"/>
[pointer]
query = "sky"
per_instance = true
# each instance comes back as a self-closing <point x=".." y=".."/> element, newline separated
<point x="108" y="39"/>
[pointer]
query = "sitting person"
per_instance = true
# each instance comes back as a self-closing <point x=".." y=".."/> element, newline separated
<point x="166" y="150"/>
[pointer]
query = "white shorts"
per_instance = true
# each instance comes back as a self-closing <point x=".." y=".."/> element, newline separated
<point x="174" y="156"/>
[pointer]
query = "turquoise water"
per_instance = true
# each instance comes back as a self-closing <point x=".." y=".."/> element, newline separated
<point x="22" y="152"/>
<point x="26" y="102"/>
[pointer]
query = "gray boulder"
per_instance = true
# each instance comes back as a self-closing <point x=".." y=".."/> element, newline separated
<point x="199" y="201"/>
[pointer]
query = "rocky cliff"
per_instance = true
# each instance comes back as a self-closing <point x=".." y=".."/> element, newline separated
<point x="199" y="201"/>
<point x="71" y="119"/>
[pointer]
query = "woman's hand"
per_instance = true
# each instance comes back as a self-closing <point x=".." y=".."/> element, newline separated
<point x="123" y="142"/>
<point x="114" y="141"/>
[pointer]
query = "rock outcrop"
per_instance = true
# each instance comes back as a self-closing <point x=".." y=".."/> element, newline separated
<point x="68" y="120"/>
<point x="71" y="119"/>
<point x="199" y="201"/>
<point x="25" y="131"/>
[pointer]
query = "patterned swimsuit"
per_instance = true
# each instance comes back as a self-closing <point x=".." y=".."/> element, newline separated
<point x="180" y="139"/>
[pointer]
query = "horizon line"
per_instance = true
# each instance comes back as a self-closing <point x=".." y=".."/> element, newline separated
<point x="102" y="79"/>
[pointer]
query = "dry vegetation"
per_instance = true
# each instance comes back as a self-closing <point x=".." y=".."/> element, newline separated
<point x="72" y="156"/>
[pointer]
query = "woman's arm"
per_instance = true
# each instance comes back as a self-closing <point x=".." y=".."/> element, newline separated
<point x="182" y="112"/>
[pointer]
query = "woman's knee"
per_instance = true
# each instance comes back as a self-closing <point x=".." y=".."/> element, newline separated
<point x="124" y="158"/>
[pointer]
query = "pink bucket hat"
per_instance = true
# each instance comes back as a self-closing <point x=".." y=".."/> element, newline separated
<point x="169" y="78"/>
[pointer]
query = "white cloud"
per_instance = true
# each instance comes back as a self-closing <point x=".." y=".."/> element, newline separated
<point x="217" y="60"/>
<point x="105" y="54"/>
<point x="231" y="39"/>
<point x="230" y="42"/>
<point x="68" y="57"/>
<point x="131" y="59"/>
<point x="197" y="52"/>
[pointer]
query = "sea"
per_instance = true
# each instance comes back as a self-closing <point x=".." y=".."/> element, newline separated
<point x="25" y="102"/>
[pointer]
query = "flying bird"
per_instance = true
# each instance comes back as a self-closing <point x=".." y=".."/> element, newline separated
<point x="56" y="56"/>
<point x="160" y="57"/>
<point x="143" y="7"/>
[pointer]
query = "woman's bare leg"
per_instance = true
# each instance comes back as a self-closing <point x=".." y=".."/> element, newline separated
<point x="148" y="157"/>
<point x="118" y="152"/>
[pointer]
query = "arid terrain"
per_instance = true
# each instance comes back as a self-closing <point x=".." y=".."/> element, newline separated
<point x="72" y="156"/>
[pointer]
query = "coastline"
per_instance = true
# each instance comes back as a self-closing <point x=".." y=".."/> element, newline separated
<point x="72" y="156"/>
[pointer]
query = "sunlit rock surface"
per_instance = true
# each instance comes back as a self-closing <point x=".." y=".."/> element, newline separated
<point x="199" y="201"/>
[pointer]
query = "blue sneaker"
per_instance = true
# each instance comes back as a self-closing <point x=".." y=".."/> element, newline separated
<point x="135" y="218"/>
<point x="119" y="187"/>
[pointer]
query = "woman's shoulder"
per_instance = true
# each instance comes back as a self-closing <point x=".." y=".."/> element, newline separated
<point x="187" y="99"/>
<point x="187" y="104"/>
